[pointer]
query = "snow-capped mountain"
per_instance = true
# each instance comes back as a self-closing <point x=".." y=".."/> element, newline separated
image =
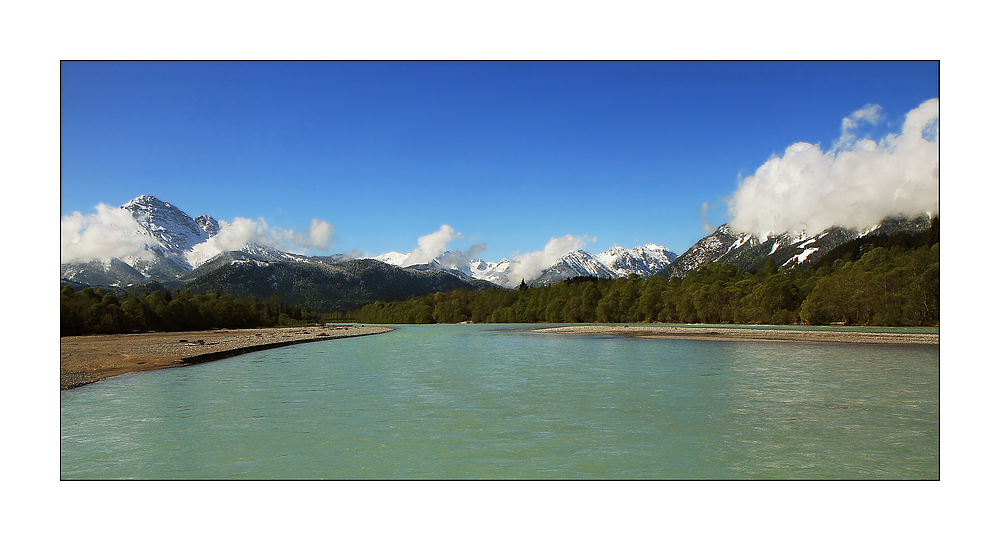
<point x="614" y="263"/>
<point x="708" y="249"/>
<point x="171" y="227"/>
<point x="392" y="258"/>
<point x="209" y="224"/>
<point x="748" y="251"/>
<point x="455" y="262"/>
<point x="182" y="252"/>
<point x="485" y="270"/>
<point x="642" y="260"/>
<point x="166" y="247"/>
<point x="171" y="235"/>
<point x="571" y="265"/>
<point x="617" y="262"/>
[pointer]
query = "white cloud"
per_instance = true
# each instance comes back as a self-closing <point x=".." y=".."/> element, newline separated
<point x="242" y="231"/>
<point x="530" y="266"/>
<point x="431" y="245"/>
<point x="320" y="235"/>
<point x="869" y="114"/>
<point x="111" y="232"/>
<point x="231" y="236"/>
<point x="856" y="184"/>
<point x="706" y="226"/>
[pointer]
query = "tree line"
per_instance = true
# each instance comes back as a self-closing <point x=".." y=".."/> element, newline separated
<point x="890" y="286"/>
<point x="92" y="311"/>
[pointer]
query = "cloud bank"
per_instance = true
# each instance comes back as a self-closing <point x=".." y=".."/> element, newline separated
<point x="232" y="235"/>
<point x="238" y="233"/>
<point x="530" y="266"/>
<point x="111" y="232"/>
<point x="432" y="245"/>
<point x="855" y="184"/>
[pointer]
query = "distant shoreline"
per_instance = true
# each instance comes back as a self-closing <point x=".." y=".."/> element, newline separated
<point x="86" y="359"/>
<point x="749" y="334"/>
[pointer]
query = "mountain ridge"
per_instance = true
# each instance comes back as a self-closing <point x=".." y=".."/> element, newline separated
<point x="174" y="250"/>
<point x="616" y="262"/>
<point x="750" y="252"/>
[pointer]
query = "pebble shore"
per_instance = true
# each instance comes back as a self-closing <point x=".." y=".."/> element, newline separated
<point x="739" y="334"/>
<point x="86" y="359"/>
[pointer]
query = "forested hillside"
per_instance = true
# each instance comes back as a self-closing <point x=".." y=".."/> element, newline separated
<point x="884" y="282"/>
<point x="93" y="311"/>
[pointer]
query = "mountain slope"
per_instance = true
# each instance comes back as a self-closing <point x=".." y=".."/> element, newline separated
<point x="326" y="287"/>
<point x="642" y="260"/>
<point x="571" y="265"/>
<point x="171" y="230"/>
<point x="892" y="234"/>
<point x="749" y="252"/>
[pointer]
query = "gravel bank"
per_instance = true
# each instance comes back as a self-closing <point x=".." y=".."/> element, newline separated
<point x="86" y="359"/>
<point x="738" y="334"/>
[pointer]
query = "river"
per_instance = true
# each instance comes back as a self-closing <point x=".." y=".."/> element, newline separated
<point x="501" y="402"/>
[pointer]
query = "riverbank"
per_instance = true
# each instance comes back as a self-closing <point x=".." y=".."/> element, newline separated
<point x="86" y="359"/>
<point x="742" y="334"/>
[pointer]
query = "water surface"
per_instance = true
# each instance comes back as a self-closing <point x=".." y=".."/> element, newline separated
<point x="498" y="402"/>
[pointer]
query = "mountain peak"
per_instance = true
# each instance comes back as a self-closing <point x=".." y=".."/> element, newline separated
<point x="642" y="260"/>
<point x="145" y="201"/>
<point x="209" y="224"/>
<point x="749" y="251"/>
<point x="173" y="230"/>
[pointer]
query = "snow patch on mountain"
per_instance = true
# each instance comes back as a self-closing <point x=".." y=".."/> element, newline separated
<point x="586" y="264"/>
<point x="801" y="258"/>
<point x="173" y="233"/>
<point x="486" y="270"/>
<point x="642" y="260"/>
<point x="392" y="258"/>
<point x="748" y="251"/>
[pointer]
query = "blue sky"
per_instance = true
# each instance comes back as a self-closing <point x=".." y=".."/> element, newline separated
<point x="509" y="154"/>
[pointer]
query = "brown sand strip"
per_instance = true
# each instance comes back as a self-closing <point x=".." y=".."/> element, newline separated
<point x="741" y="334"/>
<point x="86" y="359"/>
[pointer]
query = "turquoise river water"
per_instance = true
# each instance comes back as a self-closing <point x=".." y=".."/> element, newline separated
<point x="500" y="402"/>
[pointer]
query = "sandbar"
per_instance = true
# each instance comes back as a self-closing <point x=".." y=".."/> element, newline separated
<point x="86" y="359"/>
<point x="753" y="334"/>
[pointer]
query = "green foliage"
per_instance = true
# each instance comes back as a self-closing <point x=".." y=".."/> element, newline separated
<point x="897" y="286"/>
<point x="894" y="287"/>
<point x="853" y="250"/>
<point x="96" y="312"/>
